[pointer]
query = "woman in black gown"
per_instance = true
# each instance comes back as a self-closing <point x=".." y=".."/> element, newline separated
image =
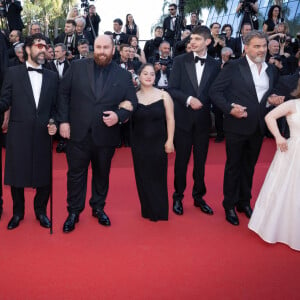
<point x="152" y="138"/>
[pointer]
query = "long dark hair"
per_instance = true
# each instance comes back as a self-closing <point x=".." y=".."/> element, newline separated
<point x="127" y="23"/>
<point x="270" y="13"/>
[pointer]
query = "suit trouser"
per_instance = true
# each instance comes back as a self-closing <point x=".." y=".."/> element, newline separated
<point x="242" y="153"/>
<point x="79" y="156"/>
<point x="40" y="200"/>
<point x="198" y="139"/>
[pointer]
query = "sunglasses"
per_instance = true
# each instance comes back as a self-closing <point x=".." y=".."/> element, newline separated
<point x="41" y="46"/>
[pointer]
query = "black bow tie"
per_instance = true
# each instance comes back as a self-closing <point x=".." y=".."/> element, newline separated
<point x="202" y="60"/>
<point x="60" y="62"/>
<point x="36" y="70"/>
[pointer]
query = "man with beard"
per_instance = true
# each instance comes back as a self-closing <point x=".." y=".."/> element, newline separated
<point x="242" y="92"/>
<point x="30" y="92"/>
<point x="90" y="116"/>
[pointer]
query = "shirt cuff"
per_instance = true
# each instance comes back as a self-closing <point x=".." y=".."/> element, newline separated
<point x="188" y="101"/>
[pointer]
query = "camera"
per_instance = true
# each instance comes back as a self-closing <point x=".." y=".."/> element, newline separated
<point x="282" y="40"/>
<point x="277" y="57"/>
<point x="246" y="6"/>
<point x="163" y="61"/>
<point x="85" y="5"/>
<point x="222" y="36"/>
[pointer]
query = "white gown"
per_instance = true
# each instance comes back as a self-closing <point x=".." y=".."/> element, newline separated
<point x="276" y="216"/>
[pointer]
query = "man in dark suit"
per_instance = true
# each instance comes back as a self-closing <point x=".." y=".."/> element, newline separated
<point x="89" y="114"/>
<point x="30" y="93"/>
<point x="190" y="79"/>
<point x="172" y="25"/>
<point x="242" y="92"/>
<point x="239" y="42"/>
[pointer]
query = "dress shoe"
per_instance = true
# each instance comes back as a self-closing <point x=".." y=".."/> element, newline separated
<point x="245" y="209"/>
<point x="44" y="221"/>
<point x="203" y="206"/>
<point x="219" y="139"/>
<point x="69" y="224"/>
<point x="177" y="207"/>
<point x="14" y="222"/>
<point x="232" y="217"/>
<point x="103" y="218"/>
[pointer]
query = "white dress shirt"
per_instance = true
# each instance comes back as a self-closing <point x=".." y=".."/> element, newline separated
<point x="59" y="67"/>
<point x="36" y="82"/>
<point x="261" y="79"/>
<point x="199" y="73"/>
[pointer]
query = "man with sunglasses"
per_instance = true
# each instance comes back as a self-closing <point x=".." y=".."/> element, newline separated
<point x="172" y="26"/>
<point x="30" y="92"/>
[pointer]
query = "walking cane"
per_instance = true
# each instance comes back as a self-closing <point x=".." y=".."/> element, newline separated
<point x="51" y="122"/>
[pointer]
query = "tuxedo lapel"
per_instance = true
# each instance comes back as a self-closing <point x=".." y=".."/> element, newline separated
<point x="91" y="75"/>
<point x="206" y="74"/>
<point x="44" y="90"/>
<point x="191" y="70"/>
<point x="247" y="75"/>
<point x="27" y="85"/>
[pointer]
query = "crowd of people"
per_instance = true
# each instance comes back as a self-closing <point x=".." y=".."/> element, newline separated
<point x="99" y="92"/>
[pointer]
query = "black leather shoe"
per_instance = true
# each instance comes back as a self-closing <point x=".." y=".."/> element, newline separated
<point x="69" y="224"/>
<point x="44" y="221"/>
<point x="246" y="209"/>
<point x="204" y="207"/>
<point x="177" y="207"/>
<point x="103" y="218"/>
<point x="14" y="222"/>
<point x="232" y="217"/>
<point x="219" y="139"/>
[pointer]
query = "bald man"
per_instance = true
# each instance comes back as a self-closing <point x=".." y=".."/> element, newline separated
<point x="90" y="116"/>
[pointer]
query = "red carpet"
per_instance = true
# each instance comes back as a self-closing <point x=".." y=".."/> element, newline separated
<point x="193" y="256"/>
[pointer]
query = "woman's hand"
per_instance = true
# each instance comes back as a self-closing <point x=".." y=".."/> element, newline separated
<point x="169" y="146"/>
<point x="281" y="143"/>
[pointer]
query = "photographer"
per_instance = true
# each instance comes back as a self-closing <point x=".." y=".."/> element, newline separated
<point x="162" y="62"/>
<point x="217" y="41"/>
<point x="11" y="9"/>
<point x="92" y="21"/>
<point x="274" y="18"/>
<point x="282" y="29"/>
<point x="151" y="46"/>
<point x="276" y="57"/>
<point x="181" y="45"/>
<point x="249" y="9"/>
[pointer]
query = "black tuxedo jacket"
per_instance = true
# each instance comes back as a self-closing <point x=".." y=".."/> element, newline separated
<point x="170" y="34"/>
<point x="238" y="47"/>
<point x="51" y="66"/>
<point x="28" y="142"/>
<point x="80" y="106"/>
<point x="235" y="84"/>
<point x="183" y="83"/>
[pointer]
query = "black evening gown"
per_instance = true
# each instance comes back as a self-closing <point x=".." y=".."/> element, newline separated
<point x="149" y="134"/>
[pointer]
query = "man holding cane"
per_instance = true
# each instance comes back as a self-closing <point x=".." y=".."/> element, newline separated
<point x="30" y="92"/>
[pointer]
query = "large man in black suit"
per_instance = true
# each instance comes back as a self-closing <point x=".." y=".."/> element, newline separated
<point x="90" y="94"/>
<point x="190" y="79"/>
<point x="242" y="92"/>
<point x="14" y="15"/>
<point x="30" y="93"/>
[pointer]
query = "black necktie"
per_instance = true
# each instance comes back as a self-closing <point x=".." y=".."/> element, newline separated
<point x="202" y="60"/>
<point x="36" y="70"/>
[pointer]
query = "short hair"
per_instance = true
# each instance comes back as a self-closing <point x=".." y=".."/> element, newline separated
<point x="83" y="42"/>
<point x="158" y="27"/>
<point x="82" y="19"/>
<point x="18" y="47"/>
<point x="174" y="5"/>
<point x="164" y="42"/>
<point x="226" y="49"/>
<point x="212" y="24"/>
<point x="273" y="42"/>
<point x="29" y="40"/>
<point x="123" y="46"/>
<point x="69" y="21"/>
<point x="119" y="21"/>
<point x="254" y="34"/>
<point x="63" y="46"/>
<point x="246" y="24"/>
<point x="35" y="23"/>
<point x="203" y="31"/>
<point x="108" y="33"/>
<point x="226" y="25"/>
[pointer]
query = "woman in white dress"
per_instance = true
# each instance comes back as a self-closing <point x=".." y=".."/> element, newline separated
<point x="276" y="216"/>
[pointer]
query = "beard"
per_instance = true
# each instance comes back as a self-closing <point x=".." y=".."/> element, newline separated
<point x="39" y="58"/>
<point x="102" y="60"/>
<point x="260" y="59"/>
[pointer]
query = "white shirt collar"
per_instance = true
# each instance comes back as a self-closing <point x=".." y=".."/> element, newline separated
<point x="253" y="64"/>
<point x="29" y="65"/>
<point x="204" y="56"/>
